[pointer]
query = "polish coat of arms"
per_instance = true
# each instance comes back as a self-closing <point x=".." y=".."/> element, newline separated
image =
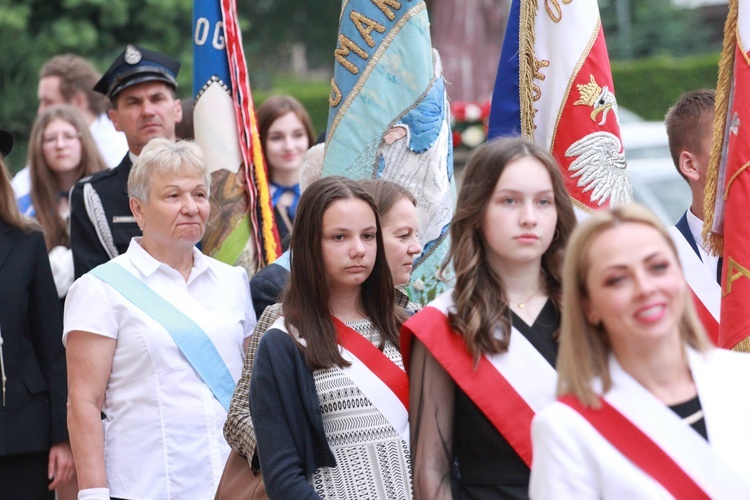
<point x="599" y="165"/>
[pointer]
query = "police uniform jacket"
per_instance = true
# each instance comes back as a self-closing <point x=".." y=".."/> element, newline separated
<point x="101" y="223"/>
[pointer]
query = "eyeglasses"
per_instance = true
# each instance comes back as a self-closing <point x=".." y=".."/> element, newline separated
<point x="48" y="140"/>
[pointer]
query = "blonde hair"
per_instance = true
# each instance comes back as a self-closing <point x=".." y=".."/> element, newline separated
<point x="165" y="156"/>
<point x="585" y="348"/>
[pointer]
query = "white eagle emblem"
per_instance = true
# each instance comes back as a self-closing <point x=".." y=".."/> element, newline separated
<point x="599" y="163"/>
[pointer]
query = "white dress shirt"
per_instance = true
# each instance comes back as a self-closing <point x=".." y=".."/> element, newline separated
<point x="163" y="434"/>
<point x="112" y="144"/>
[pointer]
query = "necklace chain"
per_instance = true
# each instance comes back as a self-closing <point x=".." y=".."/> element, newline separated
<point x="522" y="304"/>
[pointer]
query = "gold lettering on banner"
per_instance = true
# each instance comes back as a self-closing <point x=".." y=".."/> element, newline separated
<point x="365" y="26"/>
<point x="554" y="10"/>
<point x="347" y="46"/>
<point x="335" y="98"/>
<point x="384" y="5"/>
<point x="734" y="272"/>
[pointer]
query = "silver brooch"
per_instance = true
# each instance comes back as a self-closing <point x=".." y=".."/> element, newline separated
<point x="132" y="55"/>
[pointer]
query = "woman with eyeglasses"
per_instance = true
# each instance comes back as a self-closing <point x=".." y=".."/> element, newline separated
<point x="35" y="455"/>
<point x="61" y="152"/>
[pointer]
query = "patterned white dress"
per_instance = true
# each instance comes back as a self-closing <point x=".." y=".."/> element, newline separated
<point x="373" y="459"/>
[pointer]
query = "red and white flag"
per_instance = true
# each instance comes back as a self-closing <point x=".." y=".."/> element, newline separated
<point x="554" y="85"/>
<point x="727" y="227"/>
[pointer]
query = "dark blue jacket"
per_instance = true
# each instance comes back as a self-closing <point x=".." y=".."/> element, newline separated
<point x="287" y="420"/>
<point x="34" y="415"/>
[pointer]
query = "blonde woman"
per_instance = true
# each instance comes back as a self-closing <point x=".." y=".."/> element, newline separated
<point x="648" y="408"/>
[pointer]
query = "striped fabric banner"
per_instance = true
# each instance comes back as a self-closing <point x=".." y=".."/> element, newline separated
<point x="241" y="229"/>
<point x="727" y="228"/>
<point x="554" y="85"/>
<point x="389" y="118"/>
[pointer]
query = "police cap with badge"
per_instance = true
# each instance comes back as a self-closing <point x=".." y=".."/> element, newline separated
<point x="136" y="65"/>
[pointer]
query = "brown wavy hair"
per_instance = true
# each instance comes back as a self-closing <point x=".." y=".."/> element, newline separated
<point x="481" y="301"/>
<point x="44" y="187"/>
<point x="305" y="300"/>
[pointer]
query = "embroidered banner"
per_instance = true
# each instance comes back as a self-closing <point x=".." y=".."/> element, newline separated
<point x="389" y="118"/>
<point x="241" y="229"/>
<point x="554" y="85"/>
<point x="727" y="228"/>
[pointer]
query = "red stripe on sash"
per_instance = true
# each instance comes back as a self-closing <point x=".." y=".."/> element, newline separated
<point x="638" y="448"/>
<point x="485" y="386"/>
<point x="378" y="363"/>
<point x="707" y="319"/>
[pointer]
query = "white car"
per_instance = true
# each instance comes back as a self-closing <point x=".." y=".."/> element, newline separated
<point x="657" y="185"/>
<point x="655" y="180"/>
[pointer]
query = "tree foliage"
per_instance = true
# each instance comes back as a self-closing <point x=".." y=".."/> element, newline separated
<point x="32" y="31"/>
<point x="275" y="25"/>
<point x="657" y="28"/>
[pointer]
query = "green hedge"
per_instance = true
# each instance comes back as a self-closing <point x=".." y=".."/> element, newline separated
<point x="312" y="94"/>
<point x="650" y="86"/>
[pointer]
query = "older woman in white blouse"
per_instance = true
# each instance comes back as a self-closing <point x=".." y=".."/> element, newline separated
<point x="155" y="342"/>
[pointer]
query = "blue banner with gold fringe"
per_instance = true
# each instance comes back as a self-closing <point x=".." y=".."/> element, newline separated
<point x="387" y="77"/>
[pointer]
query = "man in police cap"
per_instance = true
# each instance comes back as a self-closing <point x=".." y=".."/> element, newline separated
<point x="141" y="84"/>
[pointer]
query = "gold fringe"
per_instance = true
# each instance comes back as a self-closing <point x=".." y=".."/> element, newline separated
<point x="526" y="61"/>
<point x="715" y="242"/>
<point x="264" y="198"/>
<point x="743" y="345"/>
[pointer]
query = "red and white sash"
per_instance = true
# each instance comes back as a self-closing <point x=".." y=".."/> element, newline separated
<point x="706" y="291"/>
<point x="508" y="388"/>
<point x="381" y="380"/>
<point x="658" y="442"/>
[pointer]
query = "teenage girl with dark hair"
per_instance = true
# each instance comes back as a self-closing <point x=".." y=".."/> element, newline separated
<point x="328" y="392"/>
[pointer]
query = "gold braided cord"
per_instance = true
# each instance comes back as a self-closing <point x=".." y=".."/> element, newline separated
<point x="743" y="345"/>
<point x="526" y="65"/>
<point x="714" y="241"/>
<point x="271" y="249"/>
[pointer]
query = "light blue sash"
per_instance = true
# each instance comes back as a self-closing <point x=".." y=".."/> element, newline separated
<point x="189" y="337"/>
